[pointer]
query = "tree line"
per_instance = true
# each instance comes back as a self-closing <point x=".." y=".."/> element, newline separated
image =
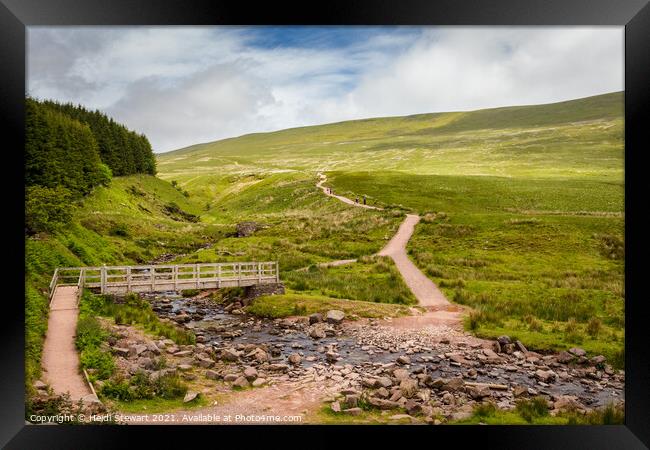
<point x="68" y="151"/>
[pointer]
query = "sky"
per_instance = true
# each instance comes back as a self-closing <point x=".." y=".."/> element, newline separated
<point x="187" y="85"/>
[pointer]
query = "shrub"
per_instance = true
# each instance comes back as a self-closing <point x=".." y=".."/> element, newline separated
<point x="533" y="408"/>
<point x="119" y="229"/>
<point x="102" y="362"/>
<point x="47" y="209"/>
<point x="190" y="292"/>
<point x="594" y="327"/>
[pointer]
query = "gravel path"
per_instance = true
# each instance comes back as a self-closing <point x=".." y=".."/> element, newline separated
<point x="60" y="358"/>
<point x="425" y="290"/>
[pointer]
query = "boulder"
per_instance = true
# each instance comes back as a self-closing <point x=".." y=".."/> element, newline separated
<point x="400" y="374"/>
<point x="520" y="346"/>
<point x="448" y="399"/>
<point x="478" y="392"/>
<point x="453" y="384"/>
<point x="136" y="350"/>
<point x="259" y="382"/>
<point x="278" y="367"/>
<point x="567" y="403"/>
<point x="250" y="373"/>
<point x="212" y="374"/>
<point x="413" y="408"/>
<point x="545" y="376"/>
<point x="353" y="411"/>
<point x="351" y="401"/>
<point x="230" y="354"/>
<point x="315" y="318"/>
<point x="384" y="382"/>
<point x="381" y="393"/>
<point x="39" y="385"/>
<point x="577" y="351"/>
<point x="335" y="316"/>
<point x="408" y="388"/>
<point x="241" y="382"/>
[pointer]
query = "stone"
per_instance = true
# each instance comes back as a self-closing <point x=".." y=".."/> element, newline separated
<point x="408" y="388"/>
<point x="204" y="361"/>
<point x="120" y="351"/>
<point x="250" y="373"/>
<point x="453" y="384"/>
<point x="230" y="354"/>
<point x="336" y="407"/>
<point x="245" y="229"/>
<point x="457" y="358"/>
<point x="39" y="385"/>
<point x="317" y="333"/>
<point x="577" y="351"/>
<point x="184" y="367"/>
<point x="437" y="383"/>
<point x="332" y="356"/>
<point x="353" y="411"/>
<point x="412" y="407"/>
<point x="491" y="356"/>
<point x="136" y="350"/>
<point x="191" y="395"/>
<point x="183" y="353"/>
<point x="382" y="393"/>
<point x="351" y="401"/>
<point x="335" y="316"/>
<point x="404" y="360"/>
<point x="567" y="403"/>
<point x="478" y="392"/>
<point x="259" y="382"/>
<point x="241" y="382"/>
<point x="503" y="340"/>
<point x="295" y="359"/>
<point x="278" y="367"/>
<point x="230" y="377"/>
<point x="384" y="382"/>
<point x="600" y="359"/>
<point x="519" y="391"/>
<point x="448" y="399"/>
<point x="520" y="346"/>
<point x="545" y="375"/>
<point x="212" y="374"/>
<point x="400" y="374"/>
<point x="315" y="318"/>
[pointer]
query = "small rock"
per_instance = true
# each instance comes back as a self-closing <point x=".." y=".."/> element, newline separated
<point x="353" y="411"/>
<point x="404" y="360"/>
<point x="191" y="395"/>
<point x="295" y="359"/>
<point x="241" y="382"/>
<point x="503" y="340"/>
<point x="212" y="374"/>
<point x="259" y="382"/>
<point x="336" y="407"/>
<point x="184" y="367"/>
<point x="250" y="373"/>
<point x="317" y="333"/>
<point x="577" y="351"/>
<point x="120" y="351"/>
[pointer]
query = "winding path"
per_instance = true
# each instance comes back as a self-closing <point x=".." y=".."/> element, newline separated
<point x="424" y="290"/>
<point x="60" y="357"/>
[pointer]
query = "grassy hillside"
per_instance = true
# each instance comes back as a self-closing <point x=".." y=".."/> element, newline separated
<point x="126" y="222"/>
<point x="522" y="206"/>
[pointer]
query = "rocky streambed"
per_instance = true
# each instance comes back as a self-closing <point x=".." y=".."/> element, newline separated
<point x="430" y="372"/>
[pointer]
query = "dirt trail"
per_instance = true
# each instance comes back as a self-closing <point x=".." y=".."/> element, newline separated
<point x="439" y="309"/>
<point x="60" y="358"/>
<point x="323" y="178"/>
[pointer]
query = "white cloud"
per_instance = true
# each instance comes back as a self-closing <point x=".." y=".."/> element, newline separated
<point x="181" y="86"/>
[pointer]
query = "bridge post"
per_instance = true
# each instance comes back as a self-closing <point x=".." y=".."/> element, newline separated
<point x="259" y="273"/>
<point x="103" y="279"/>
<point x="153" y="278"/>
<point x="238" y="274"/>
<point x="175" y="278"/>
<point x="128" y="279"/>
<point x="218" y="275"/>
<point x="197" y="274"/>
<point x="277" y="272"/>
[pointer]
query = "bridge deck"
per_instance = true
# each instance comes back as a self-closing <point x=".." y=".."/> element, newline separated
<point x="160" y="278"/>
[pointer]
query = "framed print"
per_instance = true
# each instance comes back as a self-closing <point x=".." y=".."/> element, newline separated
<point x="414" y="216"/>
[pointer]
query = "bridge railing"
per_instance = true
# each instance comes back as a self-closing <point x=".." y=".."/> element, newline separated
<point x="152" y="277"/>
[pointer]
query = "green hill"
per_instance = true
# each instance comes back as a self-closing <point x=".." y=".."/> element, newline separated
<point x="578" y="138"/>
<point x="523" y="209"/>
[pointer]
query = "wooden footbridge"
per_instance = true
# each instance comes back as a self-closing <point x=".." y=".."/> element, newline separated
<point x="162" y="278"/>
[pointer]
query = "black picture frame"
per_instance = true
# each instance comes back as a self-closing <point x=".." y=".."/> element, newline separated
<point x="15" y="15"/>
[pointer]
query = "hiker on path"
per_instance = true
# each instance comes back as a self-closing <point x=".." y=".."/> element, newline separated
<point x="356" y="200"/>
<point x="364" y="199"/>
